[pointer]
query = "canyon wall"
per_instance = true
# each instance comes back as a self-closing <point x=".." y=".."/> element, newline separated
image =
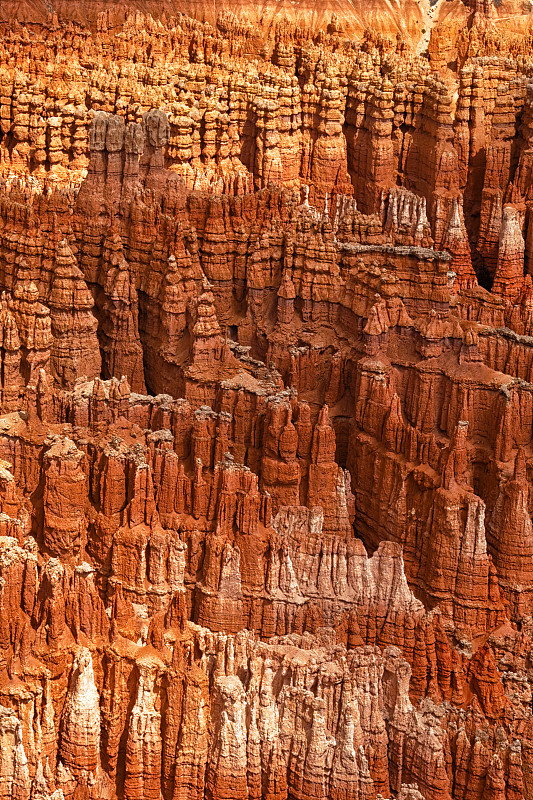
<point x="266" y="404"/>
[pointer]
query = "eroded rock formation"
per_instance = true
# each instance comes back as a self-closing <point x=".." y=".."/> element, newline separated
<point x="266" y="405"/>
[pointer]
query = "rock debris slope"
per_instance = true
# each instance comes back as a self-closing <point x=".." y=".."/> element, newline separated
<point x="266" y="405"/>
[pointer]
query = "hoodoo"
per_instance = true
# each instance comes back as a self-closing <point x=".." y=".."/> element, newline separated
<point x="266" y="400"/>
